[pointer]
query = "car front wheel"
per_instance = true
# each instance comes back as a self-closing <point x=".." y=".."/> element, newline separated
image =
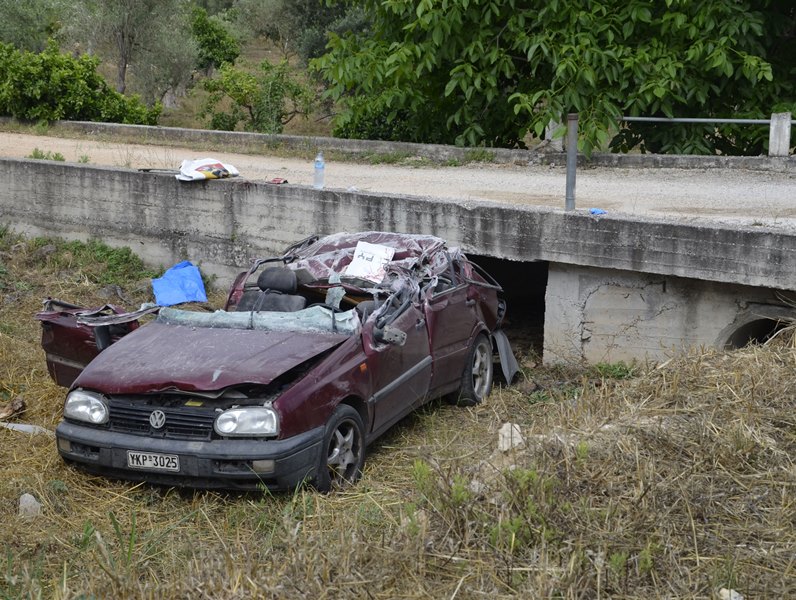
<point x="343" y="450"/>
<point x="477" y="377"/>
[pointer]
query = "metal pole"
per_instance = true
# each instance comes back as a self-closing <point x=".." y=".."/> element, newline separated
<point x="572" y="159"/>
<point x="695" y="120"/>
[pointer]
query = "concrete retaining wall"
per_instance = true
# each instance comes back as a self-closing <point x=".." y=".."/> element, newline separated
<point x="223" y="223"/>
<point x="603" y="315"/>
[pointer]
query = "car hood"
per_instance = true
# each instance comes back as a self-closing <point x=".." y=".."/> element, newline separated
<point x="160" y="357"/>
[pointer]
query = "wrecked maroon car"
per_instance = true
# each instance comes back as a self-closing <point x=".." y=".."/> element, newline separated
<point x="316" y="353"/>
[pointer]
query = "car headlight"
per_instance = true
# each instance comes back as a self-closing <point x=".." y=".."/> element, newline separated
<point x="247" y="421"/>
<point x="86" y="406"/>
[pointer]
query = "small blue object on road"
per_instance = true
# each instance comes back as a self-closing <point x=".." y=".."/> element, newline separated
<point x="596" y="211"/>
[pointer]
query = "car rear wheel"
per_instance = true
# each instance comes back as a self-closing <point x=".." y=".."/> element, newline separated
<point x="477" y="377"/>
<point x="343" y="450"/>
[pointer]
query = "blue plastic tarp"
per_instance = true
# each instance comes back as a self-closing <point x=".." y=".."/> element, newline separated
<point x="181" y="283"/>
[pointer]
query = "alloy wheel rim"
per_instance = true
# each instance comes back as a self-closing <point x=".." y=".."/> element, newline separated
<point x="482" y="369"/>
<point x="344" y="452"/>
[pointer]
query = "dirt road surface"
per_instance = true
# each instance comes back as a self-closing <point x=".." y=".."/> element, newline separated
<point x="730" y="196"/>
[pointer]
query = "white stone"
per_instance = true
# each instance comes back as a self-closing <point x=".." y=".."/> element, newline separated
<point x="510" y="437"/>
<point x="29" y="506"/>
<point x="725" y="594"/>
<point x="477" y="488"/>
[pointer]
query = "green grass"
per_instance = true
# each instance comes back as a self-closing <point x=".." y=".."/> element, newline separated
<point x="96" y="261"/>
<point x="618" y="370"/>
<point x="479" y="155"/>
<point x="42" y="155"/>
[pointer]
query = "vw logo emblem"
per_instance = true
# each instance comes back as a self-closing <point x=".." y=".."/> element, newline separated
<point x="157" y="419"/>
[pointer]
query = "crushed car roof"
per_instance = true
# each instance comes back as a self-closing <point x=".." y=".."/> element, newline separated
<point x="423" y="255"/>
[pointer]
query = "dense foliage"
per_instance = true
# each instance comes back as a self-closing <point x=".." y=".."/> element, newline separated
<point x="216" y="44"/>
<point x="488" y="72"/>
<point x="52" y="85"/>
<point x="27" y="25"/>
<point x="263" y="102"/>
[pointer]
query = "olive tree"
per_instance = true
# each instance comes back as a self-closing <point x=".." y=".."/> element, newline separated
<point x="27" y="25"/>
<point x="299" y="27"/>
<point x="149" y="38"/>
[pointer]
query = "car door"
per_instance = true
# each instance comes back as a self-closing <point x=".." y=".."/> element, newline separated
<point x="450" y="310"/>
<point x="400" y="370"/>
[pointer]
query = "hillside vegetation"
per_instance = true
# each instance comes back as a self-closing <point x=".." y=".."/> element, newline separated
<point x="476" y="73"/>
<point x="659" y="482"/>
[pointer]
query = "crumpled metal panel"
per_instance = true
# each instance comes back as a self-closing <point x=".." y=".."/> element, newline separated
<point x="162" y="357"/>
<point x="418" y="255"/>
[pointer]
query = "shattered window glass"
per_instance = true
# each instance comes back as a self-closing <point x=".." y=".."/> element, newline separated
<point x="315" y="319"/>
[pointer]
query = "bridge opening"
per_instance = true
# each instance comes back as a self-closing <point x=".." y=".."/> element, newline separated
<point x="758" y="331"/>
<point x="524" y="285"/>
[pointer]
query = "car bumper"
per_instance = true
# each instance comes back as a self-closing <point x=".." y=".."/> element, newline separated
<point x="221" y="464"/>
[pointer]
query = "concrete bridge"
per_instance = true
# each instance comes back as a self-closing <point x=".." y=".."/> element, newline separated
<point x="618" y="286"/>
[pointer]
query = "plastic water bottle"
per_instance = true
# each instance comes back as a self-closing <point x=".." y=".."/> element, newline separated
<point x="320" y="166"/>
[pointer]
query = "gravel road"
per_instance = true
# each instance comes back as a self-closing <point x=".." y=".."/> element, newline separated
<point x="731" y="196"/>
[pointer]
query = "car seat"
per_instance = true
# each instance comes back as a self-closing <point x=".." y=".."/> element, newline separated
<point x="276" y="292"/>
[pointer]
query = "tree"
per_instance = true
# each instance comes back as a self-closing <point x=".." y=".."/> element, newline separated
<point x="488" y="72"/>
<point x="50" y="85"/>
<point x="216" y="44"/>
<point x="300" y="27"/>
<point x="264" y="102"/>
<point x="137" y="35"/>
<point x="27" y="25"/>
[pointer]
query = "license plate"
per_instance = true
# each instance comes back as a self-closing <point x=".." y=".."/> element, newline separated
<point x="153" y="461"/>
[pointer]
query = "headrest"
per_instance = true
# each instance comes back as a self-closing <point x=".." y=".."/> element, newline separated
<point x="279" y="279"/>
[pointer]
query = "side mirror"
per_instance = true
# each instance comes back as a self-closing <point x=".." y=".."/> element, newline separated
<point x="390" y="335"/>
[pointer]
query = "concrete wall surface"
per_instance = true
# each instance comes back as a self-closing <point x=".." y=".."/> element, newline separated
<point x="222" y="224"/>
<point x="603" y="315"/>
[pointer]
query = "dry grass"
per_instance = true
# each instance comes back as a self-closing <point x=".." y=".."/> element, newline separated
<point x="673" y="483"/>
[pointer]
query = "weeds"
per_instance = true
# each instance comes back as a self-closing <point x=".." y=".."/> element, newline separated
<point x="388" y="158"/>
<point x="41" y="127"/>
<point x="479" y="155"/>
<point x="618" y="370"/>
<point x="42" y="155"/>
<point x="100" y="263"/>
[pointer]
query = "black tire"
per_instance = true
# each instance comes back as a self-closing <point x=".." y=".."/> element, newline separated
<point x="478" y="371"/>
<point x="343" y="451"/>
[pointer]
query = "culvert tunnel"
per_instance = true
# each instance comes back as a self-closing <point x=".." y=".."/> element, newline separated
<point x="758" y="331"/>
<point x="524" y="285"/>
